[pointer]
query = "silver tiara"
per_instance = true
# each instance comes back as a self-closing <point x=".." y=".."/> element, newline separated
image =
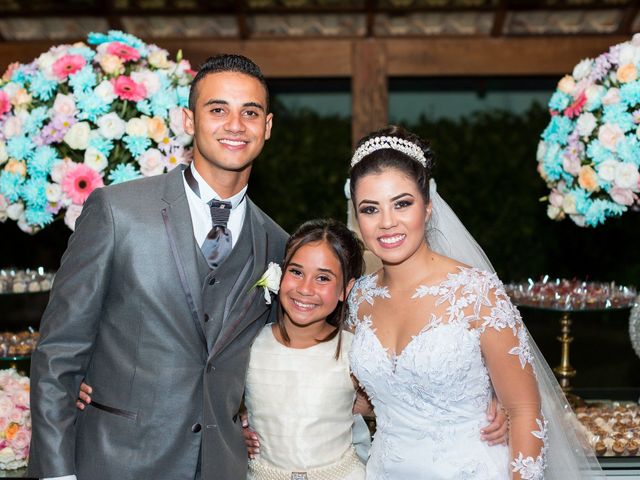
<point x="394" y="143"/>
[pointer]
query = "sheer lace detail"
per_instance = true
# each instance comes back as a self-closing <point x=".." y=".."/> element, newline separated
<point x="528" y="468"/>
<point x="431" y="397"/>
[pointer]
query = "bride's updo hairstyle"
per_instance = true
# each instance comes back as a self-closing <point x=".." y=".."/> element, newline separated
<point x="392" y="147"/>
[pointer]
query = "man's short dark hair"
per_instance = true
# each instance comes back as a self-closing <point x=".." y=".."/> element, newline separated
<point x="226" y="62"/>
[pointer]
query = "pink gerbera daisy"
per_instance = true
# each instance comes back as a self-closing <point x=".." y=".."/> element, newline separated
<point x="79" y="182"/>
<point x="125" y="52"/>
<point x="5" y="104"/>
<point x="128" y="89"/>
<point x="68" y="65"/>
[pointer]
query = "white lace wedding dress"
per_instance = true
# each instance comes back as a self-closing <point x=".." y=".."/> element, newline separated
<point x="431" y="398"/>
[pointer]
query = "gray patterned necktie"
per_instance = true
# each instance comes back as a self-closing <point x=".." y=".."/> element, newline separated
<point x="217" y="246"/>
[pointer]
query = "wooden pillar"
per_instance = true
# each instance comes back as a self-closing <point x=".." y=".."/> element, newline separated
<point x="369" y="106"/>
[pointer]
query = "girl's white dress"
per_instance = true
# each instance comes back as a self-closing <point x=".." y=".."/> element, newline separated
<point x="299" y="402"/>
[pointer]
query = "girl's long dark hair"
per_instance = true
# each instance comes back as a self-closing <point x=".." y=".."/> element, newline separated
<point x="346" y="247"/>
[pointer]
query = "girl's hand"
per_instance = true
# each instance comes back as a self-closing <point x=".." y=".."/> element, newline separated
<point x="362" y="405"/>
<point x="497" y="432"/>
<point x="250" y="437"/>
<point x="84" y="396"/>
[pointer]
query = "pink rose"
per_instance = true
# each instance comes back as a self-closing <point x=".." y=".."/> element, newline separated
<point x="21" y="439"/>
<point x="571" y="165"/>
<point x="555" y="198"/>
<point x="623" y="196"/>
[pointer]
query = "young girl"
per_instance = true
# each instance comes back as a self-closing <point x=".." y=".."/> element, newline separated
<point x="299" y="391"/>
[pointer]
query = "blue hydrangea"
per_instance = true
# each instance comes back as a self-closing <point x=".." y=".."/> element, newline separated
<point x="42" y="87"/>
<point x="34" y="192"/>
<point x="618" y="114"/>
<point x="21" y="75"/>
<point x="103" y="145"/>
<point x="33" y="123"/>
<point x="183" y="96"/>
<point x="558" y="130"/>
<point x="628" y="149"/>
<point x="597" y="152"/>
<point x="38" y="216"/>
<point x="600" y="209"/>
<point x="118" y="36"/>
<point x="552" y="162"/>
<point x="583" y="200"/>
<point x="20" y="147"/>
<point x="42" y="161"/>
<point x="630" y="94"/>
<point x="559" y="101"/>
<point x="123" y="172"/>
<point x="144" y="107"/>
<point x="83" y="80"/>
<point x="10" y="185"/>
<point x="162" y="102"/>
<point x="85" y="52"/>
<point x="136" y="145"/>
<point x="91" y="106"/>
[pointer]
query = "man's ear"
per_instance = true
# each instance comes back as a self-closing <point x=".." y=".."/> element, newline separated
<point x="348" y="289"/>
<point x="269" y="124"/>
<point x="188" y="122"/>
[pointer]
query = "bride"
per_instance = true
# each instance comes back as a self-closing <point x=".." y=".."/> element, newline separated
<point x="436" y="335"/>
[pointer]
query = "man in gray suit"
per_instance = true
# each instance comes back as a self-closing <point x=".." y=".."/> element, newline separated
<point x="153" y="306"/>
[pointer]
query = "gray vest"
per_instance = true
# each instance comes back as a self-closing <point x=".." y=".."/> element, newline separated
<point x="217" y="284"/>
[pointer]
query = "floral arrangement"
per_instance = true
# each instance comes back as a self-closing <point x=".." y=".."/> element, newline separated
<point x="590" y="152"/>
<point x="15" y="420"/>
<point x="82" y="116"/>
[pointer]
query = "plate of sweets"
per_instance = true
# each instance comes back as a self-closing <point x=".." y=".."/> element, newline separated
<point x="15" y="281"/>
<point x="612" y="428"/>
<point x="571" y="295"/>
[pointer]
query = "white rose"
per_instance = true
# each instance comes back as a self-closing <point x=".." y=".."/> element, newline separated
<point x="7" y="455"/>
<point x="15" y="210"/>
<point x="635" y="40"/>
<point x="111" y="126"/>
<point x="569" y="204"/>
<point x="105" y="91"/>
<point x="46" y="61"/>
<point x="95" y="159"/>
<point x="629" y="53"/>
<point x="59" y="169"/>
<point x="12" y="127"/>
<point x="555" y="198"/>
<point x="151" y="162"/>
<point x="582" y="69"/>
<point x="607" y="170"/>
<point x="149" y="79"/>
<point x="554" y="213"/>
<point x="77" y="137"/>
<point x="627" y="176"/>
<point x="158" y="59"/>
<point x="612" y="96"/>
<point x="571" y="165"/>
<point x="585" y="124"/>
<point x="64" y="105"/>
<point x="175" y="120"/>
<point x="71" y="215"/>
<point x="593" y="93"/>
<point x="609" y="134"/>
<point x="541" y="151"/>
<point x="53" y="191"/>
<point x="578" y="220"/>
<point x="137" y="127"/>
<point x="270" y="281"/>
<point x="567" y="84"/>
<point x="622" y="196"/>
<point x="111" y="64"/>
<point x="3" y="152"/>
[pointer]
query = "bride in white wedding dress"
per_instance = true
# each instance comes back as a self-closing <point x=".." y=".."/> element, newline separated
<point x="434" y="338"/>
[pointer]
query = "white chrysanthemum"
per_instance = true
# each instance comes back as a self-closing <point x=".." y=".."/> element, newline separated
<point x="585" y="124"/>
<point x="111" y="126"/>
<point x="582" y="69"/>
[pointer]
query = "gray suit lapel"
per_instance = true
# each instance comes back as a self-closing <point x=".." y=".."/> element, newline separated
<point x="246" y="304"/>
<point x="177" y="219"/>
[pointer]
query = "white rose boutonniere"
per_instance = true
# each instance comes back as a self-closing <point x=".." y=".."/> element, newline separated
<point x="270" y="281"/>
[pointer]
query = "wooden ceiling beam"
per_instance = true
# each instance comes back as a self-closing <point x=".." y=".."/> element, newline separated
<point x="628" y="16"/>
<point x="405" y="57"/>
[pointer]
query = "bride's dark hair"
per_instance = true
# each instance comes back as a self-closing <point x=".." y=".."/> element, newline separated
<point x="348" y="250"/>
<point x="385" y="158"/>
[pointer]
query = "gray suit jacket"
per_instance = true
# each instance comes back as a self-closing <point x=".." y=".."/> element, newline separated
<point x="125" y="313"/>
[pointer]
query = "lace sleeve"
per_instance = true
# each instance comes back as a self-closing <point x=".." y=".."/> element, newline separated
<point x="505" y="347"/>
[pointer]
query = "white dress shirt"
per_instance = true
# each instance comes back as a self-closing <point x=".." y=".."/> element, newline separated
<point x="202" y="223"/>
<point x="201" y="213"/>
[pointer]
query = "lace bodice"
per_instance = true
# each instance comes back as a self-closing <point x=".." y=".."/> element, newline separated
<point x="431" y="397"/>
